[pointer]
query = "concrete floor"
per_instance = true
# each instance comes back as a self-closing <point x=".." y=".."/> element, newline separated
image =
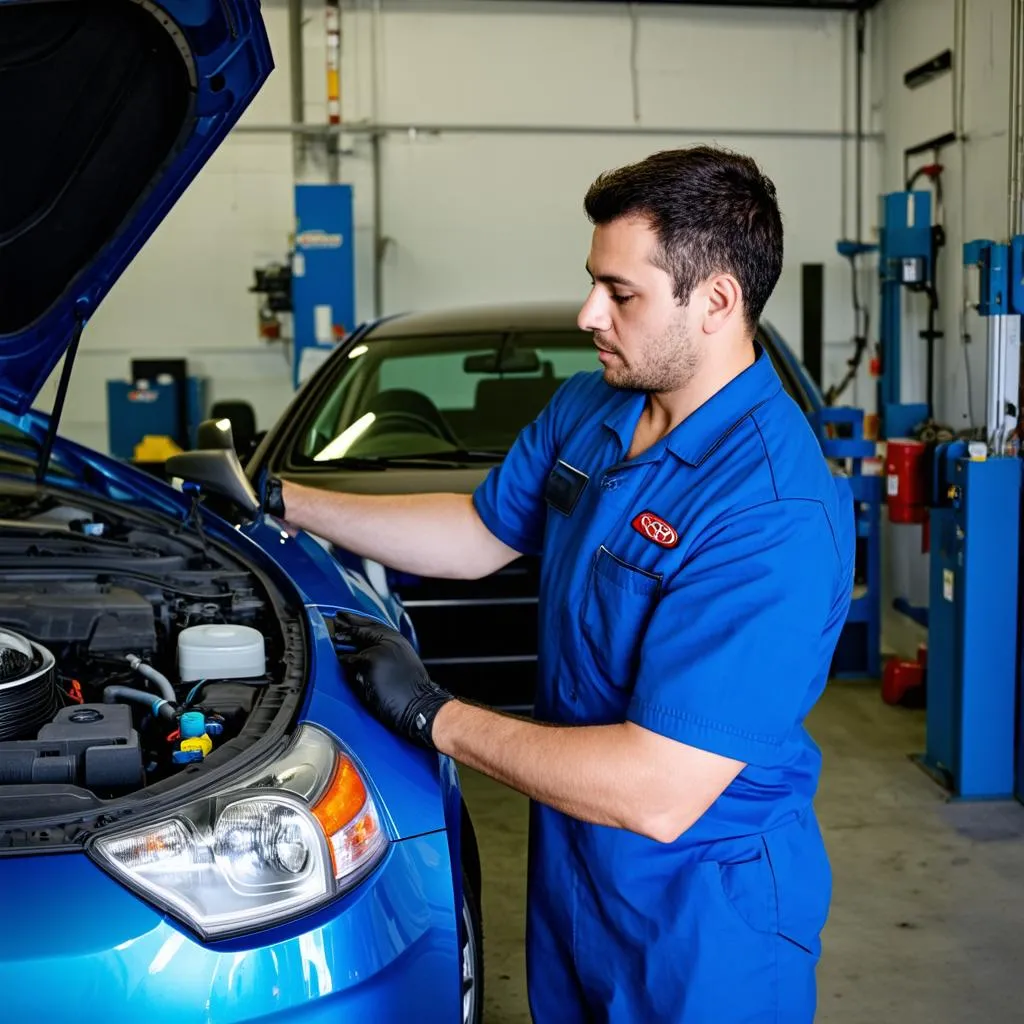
<point x="927" y="923"/>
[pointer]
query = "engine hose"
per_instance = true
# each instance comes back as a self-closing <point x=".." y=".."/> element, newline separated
<point x="161" y="681"/>
<point x="157" y="705"/>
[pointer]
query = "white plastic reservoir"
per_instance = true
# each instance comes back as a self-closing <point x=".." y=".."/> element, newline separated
<point x="220" y="651"/>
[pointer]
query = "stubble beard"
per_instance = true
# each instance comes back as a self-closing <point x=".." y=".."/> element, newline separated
<point x="665" y="363"/>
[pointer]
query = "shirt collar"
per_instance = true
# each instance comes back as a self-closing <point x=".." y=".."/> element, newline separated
<point x="701" y="432"/>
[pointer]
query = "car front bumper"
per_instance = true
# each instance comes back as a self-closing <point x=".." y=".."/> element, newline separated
<point x="77" y="945"/>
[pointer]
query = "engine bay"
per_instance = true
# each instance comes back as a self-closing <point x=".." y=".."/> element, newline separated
<point x="129" y="649"/>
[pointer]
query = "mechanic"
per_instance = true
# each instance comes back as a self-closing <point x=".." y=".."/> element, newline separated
<point x="697" y="570"/>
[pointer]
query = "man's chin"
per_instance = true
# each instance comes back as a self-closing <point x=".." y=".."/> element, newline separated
<point x="617" y="377"/>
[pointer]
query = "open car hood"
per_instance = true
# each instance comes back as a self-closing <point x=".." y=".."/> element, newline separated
<point x="108" y="109"/>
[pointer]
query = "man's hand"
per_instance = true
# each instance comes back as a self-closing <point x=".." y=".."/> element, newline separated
<point x="389" y="677"/>
<point x="272" y="497"/>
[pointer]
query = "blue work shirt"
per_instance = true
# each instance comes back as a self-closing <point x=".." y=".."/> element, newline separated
<point x="697" y="590"/>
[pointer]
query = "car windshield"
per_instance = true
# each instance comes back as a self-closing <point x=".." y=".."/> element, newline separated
<point x="458" y="396"/>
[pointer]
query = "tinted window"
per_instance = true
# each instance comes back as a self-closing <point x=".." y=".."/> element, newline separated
<point x="403" y="397"/>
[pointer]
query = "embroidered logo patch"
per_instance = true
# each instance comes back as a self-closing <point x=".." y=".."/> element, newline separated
<point x="653" y="527"/>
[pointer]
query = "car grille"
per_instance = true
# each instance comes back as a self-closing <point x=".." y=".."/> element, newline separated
<point x="478" y="638"/>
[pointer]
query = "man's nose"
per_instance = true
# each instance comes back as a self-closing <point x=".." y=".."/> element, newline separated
<point x="596" y="313"/>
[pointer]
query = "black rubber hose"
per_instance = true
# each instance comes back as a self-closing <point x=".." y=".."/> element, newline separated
<point x="157" y="705"/>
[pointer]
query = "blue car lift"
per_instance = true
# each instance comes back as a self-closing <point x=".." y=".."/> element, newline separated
<point x="972" y="704"/>
<point x="905" y="259"/>
<point x="323" y="275"/>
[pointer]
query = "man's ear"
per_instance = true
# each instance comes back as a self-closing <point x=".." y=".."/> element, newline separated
<point x="724" y="302"/>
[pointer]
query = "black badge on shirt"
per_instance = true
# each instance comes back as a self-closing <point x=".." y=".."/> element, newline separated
<point x="564" y="487"/>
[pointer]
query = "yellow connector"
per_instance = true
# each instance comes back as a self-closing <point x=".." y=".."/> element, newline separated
<point x="202" y="743"/>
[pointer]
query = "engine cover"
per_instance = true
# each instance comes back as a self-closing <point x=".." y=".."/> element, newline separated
<point x="111" y="618"/>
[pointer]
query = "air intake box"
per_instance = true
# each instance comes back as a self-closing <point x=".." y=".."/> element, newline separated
<point x="90" y="745"/>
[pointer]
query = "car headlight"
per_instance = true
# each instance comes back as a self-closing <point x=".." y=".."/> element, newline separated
<point x="276" y="845"/>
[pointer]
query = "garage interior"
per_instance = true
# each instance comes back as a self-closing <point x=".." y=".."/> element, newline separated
<point x="422" y="156"/>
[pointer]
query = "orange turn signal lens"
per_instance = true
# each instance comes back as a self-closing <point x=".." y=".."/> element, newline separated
<point x="348" y="816"/>
<point x="343" y="799"/>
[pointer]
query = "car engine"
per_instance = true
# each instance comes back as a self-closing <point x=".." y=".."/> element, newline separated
<point x="127" y="650"/>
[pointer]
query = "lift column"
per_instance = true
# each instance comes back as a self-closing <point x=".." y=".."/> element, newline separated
<point x="973" y="587"/>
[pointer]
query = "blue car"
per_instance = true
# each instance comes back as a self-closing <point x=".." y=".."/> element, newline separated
<point x="198" y="820"/>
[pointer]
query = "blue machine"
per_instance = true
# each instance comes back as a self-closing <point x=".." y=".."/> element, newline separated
<point x="134" y="411"/>
<point x="323" y="273"/>
<point x="972" y="622"/>
<point x="973" y="587"/>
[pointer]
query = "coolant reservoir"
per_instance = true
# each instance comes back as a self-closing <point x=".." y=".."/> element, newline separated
<point x="220" y="651"/>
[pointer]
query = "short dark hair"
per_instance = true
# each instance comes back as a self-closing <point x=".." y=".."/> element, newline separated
<point x="714" y="211"/>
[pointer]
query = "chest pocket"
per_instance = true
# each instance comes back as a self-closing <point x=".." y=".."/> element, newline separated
<point x="617" y="606"/>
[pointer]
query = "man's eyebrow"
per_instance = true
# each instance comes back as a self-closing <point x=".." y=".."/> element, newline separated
<point x="610" y="279"/>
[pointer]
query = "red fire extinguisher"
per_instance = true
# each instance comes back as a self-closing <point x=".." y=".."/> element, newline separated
<point x="906" y="475"/>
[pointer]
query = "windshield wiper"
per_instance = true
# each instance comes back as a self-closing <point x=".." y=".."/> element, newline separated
<point x="452" y="457"/>
<point x="460" y="455"/>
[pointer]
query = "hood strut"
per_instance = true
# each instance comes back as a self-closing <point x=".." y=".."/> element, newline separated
<point x="62" y="393"/>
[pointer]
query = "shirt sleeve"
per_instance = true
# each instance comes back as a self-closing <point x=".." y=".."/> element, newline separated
<point x="510" y="501"/>
<point x="741" y="642"/>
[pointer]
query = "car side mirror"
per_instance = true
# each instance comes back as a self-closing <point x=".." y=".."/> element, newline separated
<point x="215" y="435"/>
<point x="217" y="471"/>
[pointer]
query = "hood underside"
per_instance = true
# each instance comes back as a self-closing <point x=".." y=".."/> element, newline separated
<point x="108" y="108"/>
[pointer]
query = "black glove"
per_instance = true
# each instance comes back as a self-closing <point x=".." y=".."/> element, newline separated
<point x="273" y="499"/>
<point x="389" y="677"/>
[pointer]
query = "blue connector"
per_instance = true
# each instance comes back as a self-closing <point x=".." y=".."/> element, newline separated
<point x="192" y="724"/>
<point x="186" y="756"/>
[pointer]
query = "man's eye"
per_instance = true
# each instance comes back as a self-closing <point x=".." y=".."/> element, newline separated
<point x="621" y="300"/>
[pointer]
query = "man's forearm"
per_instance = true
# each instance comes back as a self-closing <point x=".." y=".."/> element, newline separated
<point x="427" y="534"/>
<point x="588" y="772"/>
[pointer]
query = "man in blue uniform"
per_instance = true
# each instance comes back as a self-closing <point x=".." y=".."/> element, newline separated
<point x="697" y="569"/>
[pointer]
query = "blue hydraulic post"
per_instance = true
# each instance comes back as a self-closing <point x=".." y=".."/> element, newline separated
<point x="323" y="274"/>
<point x="975" y="530"/>
<point x="904" y="260"/>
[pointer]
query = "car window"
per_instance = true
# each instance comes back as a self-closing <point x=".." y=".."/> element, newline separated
<point x="424" y="396"/>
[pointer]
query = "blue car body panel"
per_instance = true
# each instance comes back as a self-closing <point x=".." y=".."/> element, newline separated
<point x="86" y="949"/>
